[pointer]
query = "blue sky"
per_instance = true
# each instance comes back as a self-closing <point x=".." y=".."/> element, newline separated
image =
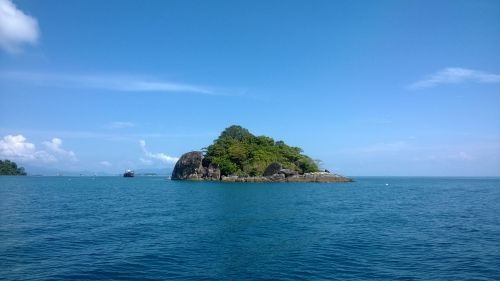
<point x="368" y="87"/>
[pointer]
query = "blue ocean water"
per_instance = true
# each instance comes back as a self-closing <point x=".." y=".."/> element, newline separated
<point x="151" y="228"/>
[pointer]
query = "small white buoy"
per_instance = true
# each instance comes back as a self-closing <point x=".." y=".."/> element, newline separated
<point x="386" y="184"/>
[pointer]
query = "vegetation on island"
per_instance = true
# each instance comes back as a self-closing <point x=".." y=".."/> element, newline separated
<point x="9" y="168"/>
<point x="238" y="152"/>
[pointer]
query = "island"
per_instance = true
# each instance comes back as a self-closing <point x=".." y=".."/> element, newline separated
<point x="239" y="156"/>
<point x="9" y="168"/>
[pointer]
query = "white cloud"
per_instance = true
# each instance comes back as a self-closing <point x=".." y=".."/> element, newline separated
<point x="54" y="146"/>
<point x="16" y="28"/>
<point x="18" y="148"/>
<point x="120" y="83"/>
<point x="119" y="125"/>
<point x="455" y="75"/>
<point x="105" y="163"/>
<point x="149" y="156"/>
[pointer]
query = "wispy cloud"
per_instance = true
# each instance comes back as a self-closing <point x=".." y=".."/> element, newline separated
<point x="17" y="147"/>
<point x="149" y="156"/>
<point x="55" y="147"/>
<point x="119" y="125"/>
<point x="105" y="163"/>
<point x="406" y="150"/>
<point x="120" y="83"/>
<point x="16" y="28"/>
<point x="109" y="135"/>
<point x="455" y="75"/>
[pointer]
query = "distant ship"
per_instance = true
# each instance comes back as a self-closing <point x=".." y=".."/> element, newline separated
<point x="128" y="173"/>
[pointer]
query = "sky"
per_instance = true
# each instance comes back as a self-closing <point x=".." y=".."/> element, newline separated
<point x="375" y="88"/>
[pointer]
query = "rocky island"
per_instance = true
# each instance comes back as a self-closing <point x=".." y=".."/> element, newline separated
<point x="239" y="156"/>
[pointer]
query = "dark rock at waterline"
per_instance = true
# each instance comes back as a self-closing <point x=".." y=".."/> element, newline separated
<point x="272" y="169"/>
<point x="212" y="172"/>
<point x="288" y="172"/>
<point x="280" y="177"/>
<point x="191" y="167"/>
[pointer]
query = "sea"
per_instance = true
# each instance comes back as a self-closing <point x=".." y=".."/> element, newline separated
<point x="152" y="228"/>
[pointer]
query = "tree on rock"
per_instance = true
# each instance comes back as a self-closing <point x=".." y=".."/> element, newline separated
<point x="239" y="152"/>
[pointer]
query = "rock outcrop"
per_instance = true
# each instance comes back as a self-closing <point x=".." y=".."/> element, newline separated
<point x="288" y="172"/>
<point x="192" y="167"/>
<point x="307" y="177"/>
<point x="272" y="169"/>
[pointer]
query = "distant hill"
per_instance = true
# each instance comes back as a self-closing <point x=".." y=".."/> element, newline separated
<point x="10" y="168"/>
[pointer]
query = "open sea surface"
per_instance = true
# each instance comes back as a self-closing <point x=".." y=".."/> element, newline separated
<point x="151" y="228"/>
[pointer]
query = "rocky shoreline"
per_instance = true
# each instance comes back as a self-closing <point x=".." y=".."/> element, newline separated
<point x="192" y="167"/>
<point x="307" y="177"/>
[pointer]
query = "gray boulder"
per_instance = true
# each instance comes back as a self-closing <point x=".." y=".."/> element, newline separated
<point x="288" y="172"/>
<point x="190" y="167"/>
<point x="212" y="172"/>
<point x="273" y="168"/>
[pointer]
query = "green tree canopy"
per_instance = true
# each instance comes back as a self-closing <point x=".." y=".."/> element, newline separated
<point x="238" y="152"/>
<point x="9" y="168"/>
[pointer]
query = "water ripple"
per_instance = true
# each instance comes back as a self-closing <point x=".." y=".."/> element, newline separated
<point x="53" y="228"/>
